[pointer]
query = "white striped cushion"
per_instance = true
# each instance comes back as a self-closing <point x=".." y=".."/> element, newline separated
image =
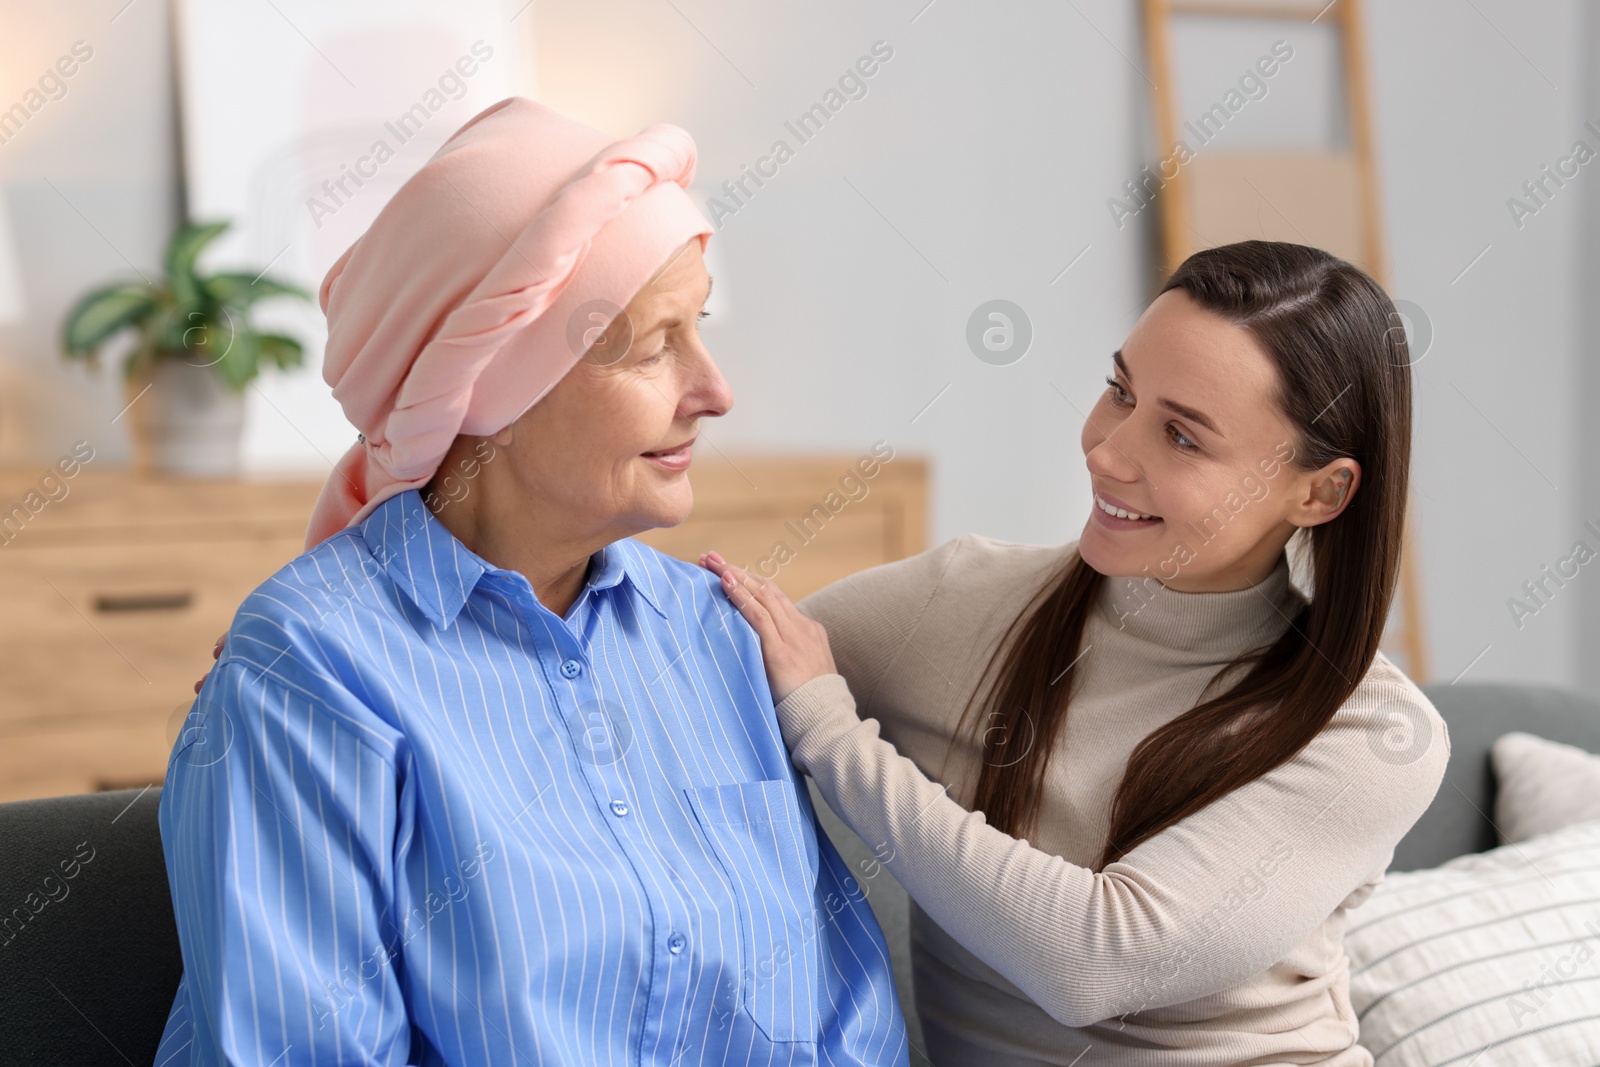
<point x="1489" y="960"/>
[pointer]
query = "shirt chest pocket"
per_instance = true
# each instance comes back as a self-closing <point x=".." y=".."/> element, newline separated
<point x="760" y="837"/>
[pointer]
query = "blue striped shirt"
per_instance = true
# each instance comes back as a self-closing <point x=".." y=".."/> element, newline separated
<point x="416" y="817"/>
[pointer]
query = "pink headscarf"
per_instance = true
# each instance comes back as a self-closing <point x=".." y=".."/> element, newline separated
<point x="451" y="314"/>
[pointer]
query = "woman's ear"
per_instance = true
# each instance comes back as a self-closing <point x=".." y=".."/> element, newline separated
<point x="1327" y="492"/>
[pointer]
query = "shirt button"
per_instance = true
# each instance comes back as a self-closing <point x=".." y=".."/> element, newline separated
<point x="676" y="943"/>
<point x="571" y="668"/>
<point x="619" y="807"/>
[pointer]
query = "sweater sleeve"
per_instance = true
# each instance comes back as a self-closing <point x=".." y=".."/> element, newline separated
<point x="1196" y="909"/>
<point x="871" y="615"/>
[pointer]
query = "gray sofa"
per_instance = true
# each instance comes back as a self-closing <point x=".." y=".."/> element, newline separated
<point x="1456" y="823"/>
<point x="89" y="979"/>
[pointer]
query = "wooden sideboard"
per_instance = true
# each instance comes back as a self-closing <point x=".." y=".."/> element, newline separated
<point x="116" y="591"/>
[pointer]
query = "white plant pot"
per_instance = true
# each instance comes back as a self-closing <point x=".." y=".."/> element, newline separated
<point x="187" y="424"/>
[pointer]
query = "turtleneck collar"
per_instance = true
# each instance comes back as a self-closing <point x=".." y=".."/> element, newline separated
<point x="1202" y="626"/>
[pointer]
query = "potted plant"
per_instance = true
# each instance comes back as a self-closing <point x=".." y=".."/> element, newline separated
<point x="196" y="352"/>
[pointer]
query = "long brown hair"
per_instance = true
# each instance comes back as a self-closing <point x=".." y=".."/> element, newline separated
<point x="1344" y="380"/>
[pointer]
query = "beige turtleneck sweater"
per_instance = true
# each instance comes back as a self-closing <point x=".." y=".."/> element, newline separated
<point x="1220" y="940"/>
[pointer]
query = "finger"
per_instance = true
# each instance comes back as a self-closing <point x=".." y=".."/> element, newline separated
<point x="757" y="592"/>
<point x="216" y="651"/>
<point x="775" y="596"/>
<point x="741" y="596"/>
<point x="784" y="614"/>
<point x="768" y="595"/>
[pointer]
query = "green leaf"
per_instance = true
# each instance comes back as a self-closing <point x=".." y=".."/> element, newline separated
<point x="202" y="321"/>
<point x="241" y="361"/>
<point x="242" y="289"/>
<point x="283" y="351"/>
<point x="183" y="251"/>
<point x="103" y="313"/>
<point x="189" y="329"/>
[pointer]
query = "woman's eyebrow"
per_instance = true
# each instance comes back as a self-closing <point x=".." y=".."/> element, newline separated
<point x="668" y="321"/>
<point x="1171" y="405"/>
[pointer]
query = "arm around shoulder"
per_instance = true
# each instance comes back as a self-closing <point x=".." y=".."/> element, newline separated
<point x="1202" y="906"/>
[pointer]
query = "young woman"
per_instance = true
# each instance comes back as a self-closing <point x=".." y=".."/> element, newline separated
<point x="1133" y="783"/>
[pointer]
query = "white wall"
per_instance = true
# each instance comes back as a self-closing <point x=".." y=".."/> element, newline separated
<point x="1586" y="354"/>
<point x="978" y="166"/>
<point x="92" y="185"/>
<point x="990" y="143"/>
<point x="1465" y="116"/>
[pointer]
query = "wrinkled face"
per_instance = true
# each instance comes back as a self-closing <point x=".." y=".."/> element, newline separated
<point x="1189" y="432"/>
<point x="606" y="445"/>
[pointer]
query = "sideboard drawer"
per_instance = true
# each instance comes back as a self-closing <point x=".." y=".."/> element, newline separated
<point x="117" y="592"/>
<point x="78" y="757"/>
<point x="803" y="521"/>
<point x="97" y="633"/>
<point x="851" y="541"/>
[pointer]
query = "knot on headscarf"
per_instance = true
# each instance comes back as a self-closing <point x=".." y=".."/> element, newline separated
<point x="496" y="237"/>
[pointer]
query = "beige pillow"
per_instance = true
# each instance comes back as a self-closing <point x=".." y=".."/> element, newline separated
<point x="1489" y="960"/>
<point x="1543" y="786"/>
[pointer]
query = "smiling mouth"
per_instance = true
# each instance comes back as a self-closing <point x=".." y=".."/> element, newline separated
<point x="1123" y="513"/>
<point x="667" y="452"/>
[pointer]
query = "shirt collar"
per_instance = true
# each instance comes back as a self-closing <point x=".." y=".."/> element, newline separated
<point x="437" y="572"/>
<point x="624" y="561"/>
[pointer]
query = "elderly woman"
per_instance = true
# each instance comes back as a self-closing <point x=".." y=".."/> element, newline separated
<point x="478" y="779"/>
